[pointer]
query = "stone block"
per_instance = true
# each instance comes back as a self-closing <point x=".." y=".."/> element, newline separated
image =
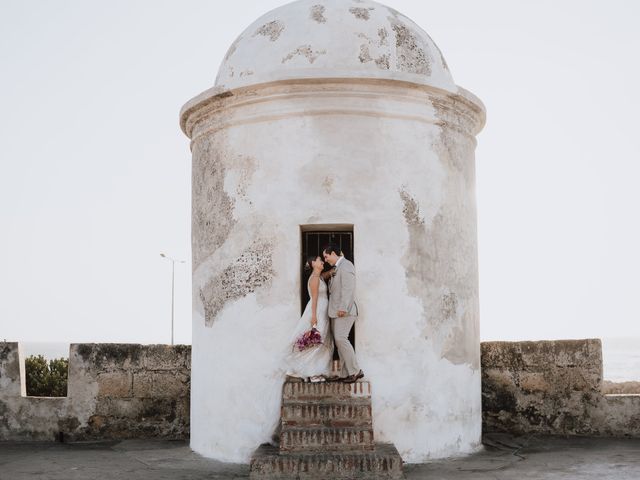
<point x="160" y="384"/>
<point x="498" y="378"/>
<point x="307" y="439"/>
<point x="119" y="407"/>
<point x="97" y="423"/>
<point x="183" y="410"/>
<point x="167" y="357"/>
<point x="534" y="382"/>
<point x="622" y="414"/>
<point x="620" y="388"/>
<point x="107" y="357"/>
<point x="542" y="355"/>
<point x="562" y="353"/>
<point x="158" y="409"/>
<point x="328" y="414"/>
<point x="501" y="355"/>
<point x="326" y="391"/>
<point x="143" y="384"/>
<point x="115" y="384"/>
<point x="383" y="462"/>
<point x="170" y="384"/>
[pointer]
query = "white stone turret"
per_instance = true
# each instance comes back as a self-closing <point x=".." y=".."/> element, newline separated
<point x="336" y="115"/>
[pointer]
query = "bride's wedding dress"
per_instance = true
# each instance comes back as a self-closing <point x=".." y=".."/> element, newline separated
<point x="315" y="360"/>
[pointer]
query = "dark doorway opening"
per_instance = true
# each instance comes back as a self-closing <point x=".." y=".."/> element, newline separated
<point x="314" y="240"/>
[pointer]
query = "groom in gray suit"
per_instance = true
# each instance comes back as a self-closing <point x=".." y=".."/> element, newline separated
<point x="343" y="311"/>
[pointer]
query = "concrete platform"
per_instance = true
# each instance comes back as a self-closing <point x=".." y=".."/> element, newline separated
<point x="504" y="457"/>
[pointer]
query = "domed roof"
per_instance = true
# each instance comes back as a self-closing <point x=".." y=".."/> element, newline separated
<point x="333" y="39"/>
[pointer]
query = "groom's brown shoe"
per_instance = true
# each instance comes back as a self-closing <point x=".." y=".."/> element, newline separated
<point x="353" y="378"/>
<point x="333" y="379"/>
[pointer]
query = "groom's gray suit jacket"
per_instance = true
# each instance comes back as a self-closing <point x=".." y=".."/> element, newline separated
<point x="342" y="290"/>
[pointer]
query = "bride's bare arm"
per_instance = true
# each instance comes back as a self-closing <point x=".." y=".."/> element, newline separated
<point x="314" y="286"/>
<point x="327" y="275"/>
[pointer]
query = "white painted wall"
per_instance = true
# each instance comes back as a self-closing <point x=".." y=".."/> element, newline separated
<point x="336" y="112"/>
<point x="396" y="163"/>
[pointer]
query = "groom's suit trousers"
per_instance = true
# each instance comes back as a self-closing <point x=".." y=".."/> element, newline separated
<point x="341" y="327"/>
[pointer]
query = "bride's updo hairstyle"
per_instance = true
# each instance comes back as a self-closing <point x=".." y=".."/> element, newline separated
<point x="307" y="265"/>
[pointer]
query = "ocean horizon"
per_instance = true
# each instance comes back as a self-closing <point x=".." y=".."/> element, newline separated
<point x="620" y="356"/>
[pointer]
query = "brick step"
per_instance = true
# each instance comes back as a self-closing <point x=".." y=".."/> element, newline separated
<point x="383" y="462"/>
<point x="307" y="439"/>
<point x="325" y="391"/>
<point x="328" y="413"/>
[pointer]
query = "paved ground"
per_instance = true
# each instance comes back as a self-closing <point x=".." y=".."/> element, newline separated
<point x="503" y="457"/>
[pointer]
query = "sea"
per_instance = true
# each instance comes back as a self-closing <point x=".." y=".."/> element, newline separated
<point x="620" y="356"/>
<point x="621" y="359"/>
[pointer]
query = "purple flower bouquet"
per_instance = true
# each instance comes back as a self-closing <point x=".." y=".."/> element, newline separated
<point x="308" y="339"/>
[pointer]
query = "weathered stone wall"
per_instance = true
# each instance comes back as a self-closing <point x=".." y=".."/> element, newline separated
<point x="114" y="391"/>
<point x="134" y="391"/>
<point x="552" y="387"/>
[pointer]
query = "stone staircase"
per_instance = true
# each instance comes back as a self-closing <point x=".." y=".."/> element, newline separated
<point x="326" y="433"/>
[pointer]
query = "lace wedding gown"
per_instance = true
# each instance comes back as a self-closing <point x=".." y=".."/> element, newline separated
<point x="315" y="360"/>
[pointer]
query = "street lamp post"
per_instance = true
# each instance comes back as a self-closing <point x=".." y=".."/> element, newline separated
<point x="173" y="269"/>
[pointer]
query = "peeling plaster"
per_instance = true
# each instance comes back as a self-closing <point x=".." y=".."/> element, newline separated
<point x="361" y="13"/>
<point x="272" y="30"/>
<point x="383" y="61"/>
<point x="364" y="54"/>
<point x="305" y="51"/>
<point x="411" y="209"/>
<point x="400" y="49"/>
<point x="383" y="34"/>
<point x="250" y="271"/>
<point x="317" y="14"/>
<point x="426" y="272"/>
<point x="410" y="56"/>
<point x="449" y="305"/>
<point x="245" y="167"/>
<point x="453" y="149"/>
<point x="328" y="184"/>
<point x="212" y="207"/>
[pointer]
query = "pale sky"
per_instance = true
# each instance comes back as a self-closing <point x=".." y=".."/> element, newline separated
<point x="96" y="178"/>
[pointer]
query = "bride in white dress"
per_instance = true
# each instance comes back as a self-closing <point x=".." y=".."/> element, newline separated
<point x="313" y="363"/>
